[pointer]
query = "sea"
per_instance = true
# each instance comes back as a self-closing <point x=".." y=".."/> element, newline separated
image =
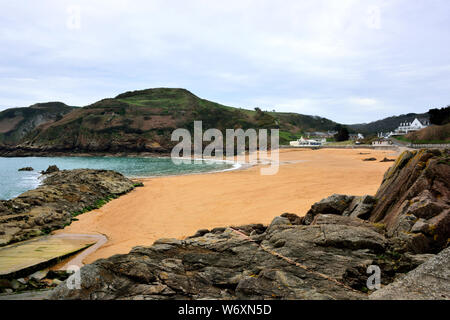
<point x="14" y="182"/>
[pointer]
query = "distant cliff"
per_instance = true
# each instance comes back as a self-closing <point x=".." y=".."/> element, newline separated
<point x="16" y="123"/>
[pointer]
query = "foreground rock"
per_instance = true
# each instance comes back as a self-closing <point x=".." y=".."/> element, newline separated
<point x="324" y="255"/>
<point x="430" y="280"/>
<point x="221" y="265"/>
<point x="63" y="195"/>
<point x="413" y="201"/>
<point x="325" y="260"/>
<point x="39" y="280"/>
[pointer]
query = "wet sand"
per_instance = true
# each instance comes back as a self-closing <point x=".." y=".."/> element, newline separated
<point x="178" y="206"/>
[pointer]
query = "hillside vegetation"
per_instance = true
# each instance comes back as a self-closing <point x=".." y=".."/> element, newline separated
<point x="144" y="120"/>
<point x="16" y="123"/>
<point x="431" y="134"/>
<point x="387" y="124"/>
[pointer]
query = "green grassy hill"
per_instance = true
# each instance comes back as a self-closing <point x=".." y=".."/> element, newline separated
<point x="144" y="120"/>
<point x="432" y="134"/>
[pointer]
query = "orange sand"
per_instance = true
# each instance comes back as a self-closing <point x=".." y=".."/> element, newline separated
<point x="178" y="206"/>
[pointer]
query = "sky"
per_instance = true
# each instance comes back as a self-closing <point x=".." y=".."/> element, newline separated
<point x="346" y="60"/>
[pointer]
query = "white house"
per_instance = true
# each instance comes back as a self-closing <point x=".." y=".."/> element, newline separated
<point x="356" y="136"/>
<point x="406" y="127"/>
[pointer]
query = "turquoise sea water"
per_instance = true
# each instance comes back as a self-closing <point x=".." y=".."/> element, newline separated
<point x="14" y="182"/>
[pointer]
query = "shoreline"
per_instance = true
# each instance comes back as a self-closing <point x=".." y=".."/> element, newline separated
<point x="177" y="206"/>
<point x="38" y="177"/>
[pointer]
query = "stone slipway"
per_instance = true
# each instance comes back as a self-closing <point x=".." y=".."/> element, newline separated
<point x="24" y="258"/>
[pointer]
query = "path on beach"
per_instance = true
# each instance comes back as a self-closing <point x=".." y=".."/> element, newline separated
<point x="178" y="206"/>
<point x="29" y="256"/>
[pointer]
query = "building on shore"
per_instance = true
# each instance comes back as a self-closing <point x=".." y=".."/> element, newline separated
<point x="407" y="127"/>
<point x="356" y="136"/>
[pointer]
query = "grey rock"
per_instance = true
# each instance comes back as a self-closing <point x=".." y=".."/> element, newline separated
<point x="403" y="224"/>
<point x="278" y="221"/>
<point x="199" y="233"/>
<point x="16" y="285"/>
<point x="420" y="226"/>
<point x="429" y="281"/>
<point x="39" y="275"/>
<point x="26" y="169"/>
<point x="53" y="204"/>
<point x="418" y="259"/>
<point x="50" y="169"/>
<point x="416" y="186"/>
<point x="293" y="218"/>
<point x="416" y="243"/>
<point x="424" y="206"/>
<point x="325" y="255"/>
<point x="346" y="221"/>
<point x="334" y="204"/>
<point x="360" y="207"/>
<point x="353" y="238"/>
<point x="229" y="265"/>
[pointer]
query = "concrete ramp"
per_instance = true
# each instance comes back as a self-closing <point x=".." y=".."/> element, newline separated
<point x="23" y="258"/>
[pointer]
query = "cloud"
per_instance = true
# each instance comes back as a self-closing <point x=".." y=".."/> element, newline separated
<point x="346" y="60"/>
<point x="374" y="17"/>
<point x="73" y="21"/>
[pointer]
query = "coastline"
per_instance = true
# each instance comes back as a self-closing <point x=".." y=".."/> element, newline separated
<point x="130" y="167"/>
<point x="177" y="206"/>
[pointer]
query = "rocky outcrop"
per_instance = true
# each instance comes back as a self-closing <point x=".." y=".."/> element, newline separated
<point x="413" y="201"/>
<point x="357" y="207"/>
<point x="62" y="195"/>
<point x="16" y="123"/>
<point x="50" y="169"/>
<point x="325" y="255"/>
<point x="325" y="260"/>
<point x="431" y="280"/>
<point x="26" y="169"/>
<point x="38" y="280"/>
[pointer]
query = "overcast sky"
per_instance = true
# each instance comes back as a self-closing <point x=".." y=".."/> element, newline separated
<point x="349" y="61"/>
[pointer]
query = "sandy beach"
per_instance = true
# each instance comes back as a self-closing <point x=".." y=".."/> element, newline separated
<point x="178" y="206"/>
